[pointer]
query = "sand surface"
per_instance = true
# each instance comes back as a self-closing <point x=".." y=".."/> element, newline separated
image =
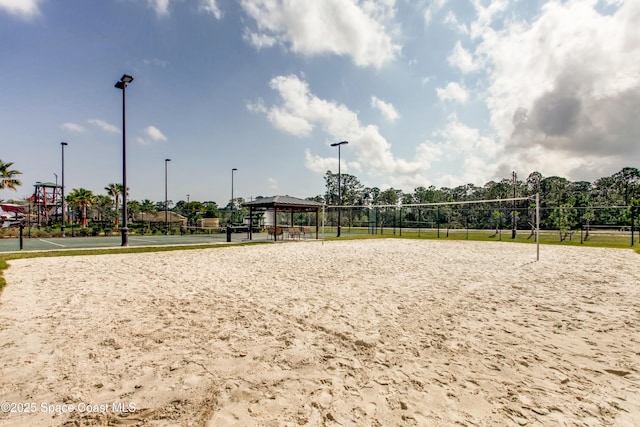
<point x="350" y="333"/>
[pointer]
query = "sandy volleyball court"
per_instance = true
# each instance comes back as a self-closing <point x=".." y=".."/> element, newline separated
<point x="350" y="333"/>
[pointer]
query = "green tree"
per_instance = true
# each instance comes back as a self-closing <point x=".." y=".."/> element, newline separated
<point x="134" y="207"/>
<point x="81" y="198"/>
<point x="587" y="217"/>
<point x="103" y="206"/>
<point x="627" y="182"/>
<point x="8" y="176"/>
<point x="147" y="207"/>
<point x="497" y="217"/>
<point x="115" y="191"/>
<point x="564" y="218"/>
<point x="350" y="188"/>
<point x="210" y="210"/>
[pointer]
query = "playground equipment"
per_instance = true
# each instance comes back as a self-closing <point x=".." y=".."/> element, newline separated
<point x="46" y="200"/>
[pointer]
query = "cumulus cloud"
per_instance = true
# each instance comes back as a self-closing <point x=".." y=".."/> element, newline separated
<point x="387" y="110"/>
<point x="24" y="8"/>
<point x="72" y="127"/>
<point x="453" y="92"/>
<point x="107" y="127"/>
<point x="211" y="7"/>
<point x="300" y="111"/>
<point x="570" y="106"/>
<point x="339" y="27"/>
<point x="462" y="59"/>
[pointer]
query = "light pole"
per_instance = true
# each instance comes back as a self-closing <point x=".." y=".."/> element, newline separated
<point x="166" y="201"/>
<point x="339" y="144"/>
<point x="513" y="212"/>
<point x="122" y="84"/>
<point x="233" y="204"/>
<point x="62" y="228"/>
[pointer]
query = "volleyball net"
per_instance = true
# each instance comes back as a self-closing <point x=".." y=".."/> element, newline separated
<point x="473" y="219"/>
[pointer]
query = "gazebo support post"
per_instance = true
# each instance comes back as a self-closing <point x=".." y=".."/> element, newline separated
<point x="275" y="224"/>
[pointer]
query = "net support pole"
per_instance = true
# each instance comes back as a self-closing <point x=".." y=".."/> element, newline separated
<point x="537" y="226"/>
<point x="323" y="222"/>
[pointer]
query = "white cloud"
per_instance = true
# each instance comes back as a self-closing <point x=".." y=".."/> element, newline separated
<point x="370" y="149"/>
<point x="485" y="15"/>
<point x="24" y="8"/>
<point x="433" y="8"/>
<point x="104" y="126"/>
<point x="340" y="27"/>
<point x="272" y="183"/>
<point x="453" y="92"/>
<point x="569" y="106"/>
<point x="211" y="6"/>
<point x="452" y="22"/>
<point x="463" y="59"/>
<point x="387" y="110"/>
<point x="161" y="7"/>
<point x="72" y="127"/>
<point x="464" y="152"/>
<point x="153" y="134"/>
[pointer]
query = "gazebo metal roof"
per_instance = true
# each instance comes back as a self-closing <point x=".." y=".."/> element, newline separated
<point x="285" y="203"/>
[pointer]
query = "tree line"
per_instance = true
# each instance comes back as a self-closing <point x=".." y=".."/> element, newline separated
<point x="563" y="203"/>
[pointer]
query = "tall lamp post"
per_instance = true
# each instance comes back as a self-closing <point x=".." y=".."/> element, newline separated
<point x="339" y="144"/>
<point x="122" y="84"/>
<point x="62" y="227"/>
<point x="233" y="204"/>
<point x="166" y="201"/>
<point x="513" y="212"/>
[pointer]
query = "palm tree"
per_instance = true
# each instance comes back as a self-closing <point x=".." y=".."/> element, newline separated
<point x="147" y="206"/>
<point x="8" y="177"/>
<point x="81" y="198"/>
<point x="115" y="190"/>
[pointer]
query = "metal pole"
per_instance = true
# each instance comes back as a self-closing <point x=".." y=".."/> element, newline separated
<point x="537" y="226"/>
<point x="62" y="228"/>
<point x="125" y="228"/>
<point x="166" y="199"/>
<point x="513" y="212"/>
<point x="339" y="144"/>
<point x="339" y="194"/>
<point x="122" y="84"/>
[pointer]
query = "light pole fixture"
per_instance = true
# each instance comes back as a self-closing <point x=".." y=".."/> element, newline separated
<point x="122" y="84"/>
<point x="233" y="203"/>
<point x="166" y="200"/>
<point x="62" y="227"/>
<point x="339" y="144"/>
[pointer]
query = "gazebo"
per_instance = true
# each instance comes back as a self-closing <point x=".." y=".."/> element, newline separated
<point x="283" y="204"/>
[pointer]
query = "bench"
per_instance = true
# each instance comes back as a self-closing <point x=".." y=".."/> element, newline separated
<point x="274" y="232"/>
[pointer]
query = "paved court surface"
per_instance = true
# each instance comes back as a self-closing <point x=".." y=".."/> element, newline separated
<point x="40" y="244"/>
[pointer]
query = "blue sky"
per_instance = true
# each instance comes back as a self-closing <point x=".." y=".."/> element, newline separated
<point x="440" y="92"/>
